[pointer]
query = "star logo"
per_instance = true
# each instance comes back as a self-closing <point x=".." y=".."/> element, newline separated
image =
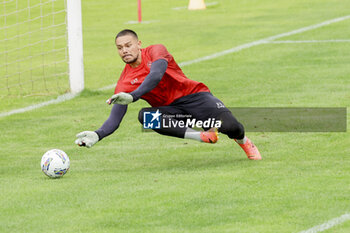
<point x="156" y="115"/>
<point x="152" y="120"/>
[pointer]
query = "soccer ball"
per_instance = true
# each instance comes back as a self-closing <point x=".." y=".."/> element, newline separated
<point x="55" y="163"/>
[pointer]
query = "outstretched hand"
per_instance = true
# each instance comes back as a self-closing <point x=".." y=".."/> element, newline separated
<point x="87" y="139"/>
<point x="120" y="98"/>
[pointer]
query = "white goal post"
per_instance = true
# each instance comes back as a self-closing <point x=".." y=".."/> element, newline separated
<point x="75" y="45"/>
<point x="41" y="47"/>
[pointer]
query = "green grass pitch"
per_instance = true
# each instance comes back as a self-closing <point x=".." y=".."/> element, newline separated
<point x="144" y="182"/>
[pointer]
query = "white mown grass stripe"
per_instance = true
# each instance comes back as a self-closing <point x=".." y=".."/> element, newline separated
<point x="329" y="224"/>
<point x="186" y="63"/>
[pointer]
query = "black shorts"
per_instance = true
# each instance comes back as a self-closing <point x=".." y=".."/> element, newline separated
<point x="201" y="106"/>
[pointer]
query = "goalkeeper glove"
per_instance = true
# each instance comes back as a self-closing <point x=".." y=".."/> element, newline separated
<point x="121" y="98"/>
<point x="87" y="138"/>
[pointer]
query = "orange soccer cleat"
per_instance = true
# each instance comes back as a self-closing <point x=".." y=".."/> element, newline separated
<point x="251" y="150"/>
<point x="210" y="136"/>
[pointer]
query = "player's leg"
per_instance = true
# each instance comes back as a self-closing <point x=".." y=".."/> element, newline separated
<point x="175" y="130"/>
<point x="208" y="136"/>
<point x="203" y="106"/>
<point x="235" y="130"/>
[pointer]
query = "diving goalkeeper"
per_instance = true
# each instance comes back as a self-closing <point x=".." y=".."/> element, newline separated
<point x="153" y="75"/>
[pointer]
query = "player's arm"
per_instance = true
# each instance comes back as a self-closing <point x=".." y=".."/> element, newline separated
<point x="89" y="138"/>
<point x="155" y="75"/>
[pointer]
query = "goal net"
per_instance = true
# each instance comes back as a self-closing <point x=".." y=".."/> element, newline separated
<point x="34" y="53"/>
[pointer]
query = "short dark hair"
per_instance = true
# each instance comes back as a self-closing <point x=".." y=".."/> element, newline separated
<point x="127" y="32"/>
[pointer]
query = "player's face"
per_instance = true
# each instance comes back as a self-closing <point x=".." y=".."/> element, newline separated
<point x="129" y="49"/>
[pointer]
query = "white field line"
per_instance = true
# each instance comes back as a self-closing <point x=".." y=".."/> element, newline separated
<point x="270" y="42"/>
<point x="185" y="7"/>
<point x="107" y="87"/>
<point x="307" y="41"/>
<point x="59" y="99"/>
<point x="142" y="22"/>
<point x="263" y="41"/>
<point x="329" y="224"/>
<point x="266" y="40"/>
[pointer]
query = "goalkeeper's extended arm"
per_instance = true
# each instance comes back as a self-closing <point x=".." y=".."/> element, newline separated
<point x="156" y="73"/>
<point x="112" y="123"/>
<point x="89" y="138"/>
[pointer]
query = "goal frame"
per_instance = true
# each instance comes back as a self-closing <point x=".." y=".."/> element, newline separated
<point x="75" y="46"/>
